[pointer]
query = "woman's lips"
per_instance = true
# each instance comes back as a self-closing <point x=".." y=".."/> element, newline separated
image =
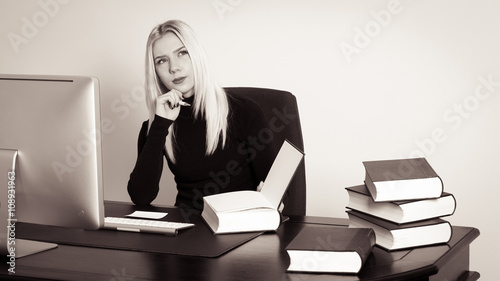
<point x="179" y="80"/>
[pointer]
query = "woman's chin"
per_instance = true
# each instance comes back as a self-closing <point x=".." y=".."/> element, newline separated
<point x="187" y="94"/>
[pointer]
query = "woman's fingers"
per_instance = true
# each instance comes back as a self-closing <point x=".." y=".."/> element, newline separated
<point x="174" y="98"/>
<point x="167" y="105"/>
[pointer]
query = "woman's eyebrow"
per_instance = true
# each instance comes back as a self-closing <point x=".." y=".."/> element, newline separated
<point x="160" y="57"/>
<point x="175" y="51"/>
<point x="180" y="48"/>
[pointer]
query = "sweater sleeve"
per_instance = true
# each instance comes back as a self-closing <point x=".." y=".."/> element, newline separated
<point x="143" y="185"/>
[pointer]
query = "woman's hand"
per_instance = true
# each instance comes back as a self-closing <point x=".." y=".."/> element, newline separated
<point x="168" y="105"/>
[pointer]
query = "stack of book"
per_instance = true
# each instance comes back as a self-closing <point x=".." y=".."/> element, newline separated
<point x="403" y="201"/>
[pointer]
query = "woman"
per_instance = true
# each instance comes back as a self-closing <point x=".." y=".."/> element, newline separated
<point x="206" y="134"/>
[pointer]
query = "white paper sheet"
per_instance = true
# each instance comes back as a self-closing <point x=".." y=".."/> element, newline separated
<point x="147" y="215"/>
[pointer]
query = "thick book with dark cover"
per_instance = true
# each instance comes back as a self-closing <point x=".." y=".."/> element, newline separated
<point x="391" y="236"/>
<point x="248" y="210"/>
<point x="402" y="179"/>
<point x="330" y="249"/>
<point x="401" y="211"/>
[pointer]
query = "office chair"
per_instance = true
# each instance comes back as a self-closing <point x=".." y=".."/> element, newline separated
<point x="282" y="115"/>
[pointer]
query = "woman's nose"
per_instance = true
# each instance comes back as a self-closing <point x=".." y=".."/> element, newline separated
<point x="174" y="66"/>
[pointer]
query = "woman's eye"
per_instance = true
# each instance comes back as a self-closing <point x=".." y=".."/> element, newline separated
<point x="183" y="52"/>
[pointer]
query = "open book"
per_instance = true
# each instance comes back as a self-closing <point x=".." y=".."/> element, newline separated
<point x="245" y="211"/>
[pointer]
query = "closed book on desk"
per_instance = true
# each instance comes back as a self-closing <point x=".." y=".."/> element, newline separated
<point x="247" y="211"/>
<point x="402" y="179"/>
<point x="391" y="236"/>
<point x="400" y="211"/>
<point x="330" y="249"/>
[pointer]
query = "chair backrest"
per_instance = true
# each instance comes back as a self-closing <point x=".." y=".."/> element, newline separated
<point x="281" y="112"/>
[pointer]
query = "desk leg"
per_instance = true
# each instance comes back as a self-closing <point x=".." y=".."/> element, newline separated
<point x="454" y="269"/>
<point x="470" y="276"/>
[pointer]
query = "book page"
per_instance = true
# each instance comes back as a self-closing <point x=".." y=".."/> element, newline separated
<point x="281" y="173"/>
<point x="237" y="201"/>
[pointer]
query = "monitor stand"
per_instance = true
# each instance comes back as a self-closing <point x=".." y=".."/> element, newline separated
<point x="10" y="246"/>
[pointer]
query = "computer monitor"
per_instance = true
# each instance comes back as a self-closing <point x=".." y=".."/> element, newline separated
<point x="53" y="123"/>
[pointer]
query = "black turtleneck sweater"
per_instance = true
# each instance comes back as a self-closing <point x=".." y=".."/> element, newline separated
<point x="241" y="165"/>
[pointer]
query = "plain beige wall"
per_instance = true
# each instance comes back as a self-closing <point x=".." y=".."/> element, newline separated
<point x="374" y="80"/>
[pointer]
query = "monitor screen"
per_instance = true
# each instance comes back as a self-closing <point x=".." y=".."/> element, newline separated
<point x="54" y="124"/>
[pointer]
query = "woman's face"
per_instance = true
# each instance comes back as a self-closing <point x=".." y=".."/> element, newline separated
<point x="173" y="64"/>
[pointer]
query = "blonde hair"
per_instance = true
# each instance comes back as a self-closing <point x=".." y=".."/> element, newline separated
<point x="210" y="100"/>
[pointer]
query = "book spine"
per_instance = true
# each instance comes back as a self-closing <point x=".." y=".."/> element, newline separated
<point x="370" y="186"/>
<point x="454" y="199"/>
<point x="430" y="172"/>
<point x="363" y="243"/>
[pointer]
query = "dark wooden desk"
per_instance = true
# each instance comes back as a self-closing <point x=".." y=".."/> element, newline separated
<point x="262" y="258"/>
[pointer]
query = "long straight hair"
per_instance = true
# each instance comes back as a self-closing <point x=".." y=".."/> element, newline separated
<point x="210" y="100"/>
